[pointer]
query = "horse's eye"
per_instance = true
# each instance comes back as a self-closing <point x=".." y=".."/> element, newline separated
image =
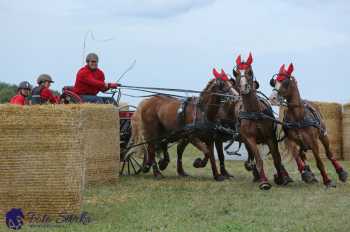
<point x="273" y="82"/>
<point x="285" y="83"/>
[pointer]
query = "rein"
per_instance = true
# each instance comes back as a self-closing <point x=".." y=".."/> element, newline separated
<point x="151" y="90"/>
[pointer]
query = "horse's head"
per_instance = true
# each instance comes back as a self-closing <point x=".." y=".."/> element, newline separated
<point x="244" y="75"/>
<point x="283" y="84"/>
<point x="223" y="84"/>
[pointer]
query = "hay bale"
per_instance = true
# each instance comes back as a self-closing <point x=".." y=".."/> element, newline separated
<point x="346" y="132"/>
<point x="41" y="163"/>
<point x="332" y="116"/>
<point x="123" y="106"/>
<point x="101" y="149"/>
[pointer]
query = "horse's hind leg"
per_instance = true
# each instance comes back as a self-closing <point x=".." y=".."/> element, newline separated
<point x="326" y="180"/>
<point x="219" y="149"/>
<point x="180" y="150"/>
<point x="152" y="161"/>
<point x="163" y="163"/>
<point x="282" y="177"/>
<point x="342" y="174"/>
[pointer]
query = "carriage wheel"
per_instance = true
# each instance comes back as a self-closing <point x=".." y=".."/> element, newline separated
<point x="131" y="159"/>
<point x="132" y="163"/>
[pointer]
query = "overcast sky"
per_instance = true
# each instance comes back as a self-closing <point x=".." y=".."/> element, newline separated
<point x="177" y="42"/>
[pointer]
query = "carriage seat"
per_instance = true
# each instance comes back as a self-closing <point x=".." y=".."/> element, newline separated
<point x="69" y="88"/>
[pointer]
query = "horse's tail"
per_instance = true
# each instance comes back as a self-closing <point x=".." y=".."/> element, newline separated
<point x="137" y="137"/>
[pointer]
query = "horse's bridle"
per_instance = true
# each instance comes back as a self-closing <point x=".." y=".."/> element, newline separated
<point x="282" y="101"/>
<point x="250" y="81"/>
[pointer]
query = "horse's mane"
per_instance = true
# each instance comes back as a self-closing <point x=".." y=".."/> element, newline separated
<point x="206" y="91"/>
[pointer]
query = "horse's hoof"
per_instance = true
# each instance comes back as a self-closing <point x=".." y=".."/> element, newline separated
<point x="183" y="174"/>
<point x="158" y="176"/>
<point x="226" y="174"/>
<point x="198" y="163"/>
<point x="163" y="164"/>
<point x="343" y="176"/>
<point x="330" y="184"/>
<point x="256" y="176"/>
<point x="265" y="186"/>
<point x="282" y="180"/>
<point x="307" y="177"/>
<point x="248" y="166"/>
<point x="146" y="168"/>
<point x="288" y="179"/>
<point x="219" y="178"/>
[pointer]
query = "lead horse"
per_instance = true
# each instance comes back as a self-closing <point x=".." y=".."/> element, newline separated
<point x="303" y="126"/>
<point x="159" y="117"/>
<point x="257" y="125"/>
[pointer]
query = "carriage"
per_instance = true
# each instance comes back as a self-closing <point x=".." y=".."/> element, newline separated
<point x="131" y="164"/>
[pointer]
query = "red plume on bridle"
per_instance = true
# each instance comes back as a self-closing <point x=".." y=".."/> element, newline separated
<point x="244" y="65"/>
<point x="283" y="73"/>
<point x="223" y="76"/>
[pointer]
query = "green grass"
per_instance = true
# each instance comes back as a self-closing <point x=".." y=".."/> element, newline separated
<point x="198" y="203"/>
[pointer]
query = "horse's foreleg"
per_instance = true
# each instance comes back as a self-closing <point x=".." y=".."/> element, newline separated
<point x="250" y="165"/>
<point x="264" y="184"/>
<point x="200" y="163"/>
<point x="214" y="169"/>
<point x="180" y="150"/>
<point x="306" y="174"/>
<point x="342" y="174"/>
<point x="220" y="150"/>
<point x="282" y="177"/>
<point x="326" y="180"/>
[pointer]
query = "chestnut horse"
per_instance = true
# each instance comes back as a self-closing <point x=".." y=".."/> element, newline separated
<point x="256" y="126"/>
<point x="159" y="118"/>
<point x="227" y="118"/>
<point x="303" y="125"/>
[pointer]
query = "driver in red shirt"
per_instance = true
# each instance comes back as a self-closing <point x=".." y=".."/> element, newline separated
<point x="90" y="81"/>
<point x="23" y="92"/>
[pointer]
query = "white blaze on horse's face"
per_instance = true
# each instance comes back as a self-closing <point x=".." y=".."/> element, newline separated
<point x="244" y="85"/>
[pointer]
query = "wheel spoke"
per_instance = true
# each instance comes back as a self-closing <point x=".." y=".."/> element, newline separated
<point x="133" y="167"/>
<point x="122" y="169"/>
<point x="129" y="167"/>
<point x="138" y="164"/>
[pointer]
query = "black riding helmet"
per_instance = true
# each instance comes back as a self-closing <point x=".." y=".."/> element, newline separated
<point x="24" y="85"/>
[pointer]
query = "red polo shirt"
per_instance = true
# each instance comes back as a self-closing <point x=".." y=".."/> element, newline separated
<point x="89" y="82"/>
<point x="18" y="100"/>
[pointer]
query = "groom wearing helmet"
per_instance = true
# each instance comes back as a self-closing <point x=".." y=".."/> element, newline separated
<point x="90" y="81"/>
<point x="42" y="93"/>
<point x="23" y="92"/>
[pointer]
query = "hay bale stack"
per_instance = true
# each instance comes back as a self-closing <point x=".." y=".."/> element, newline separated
<point x="100" y="132"/>
<point x="41" y="163"/>
<point x="332" y="116"/>
<point x="346" y="132"/>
